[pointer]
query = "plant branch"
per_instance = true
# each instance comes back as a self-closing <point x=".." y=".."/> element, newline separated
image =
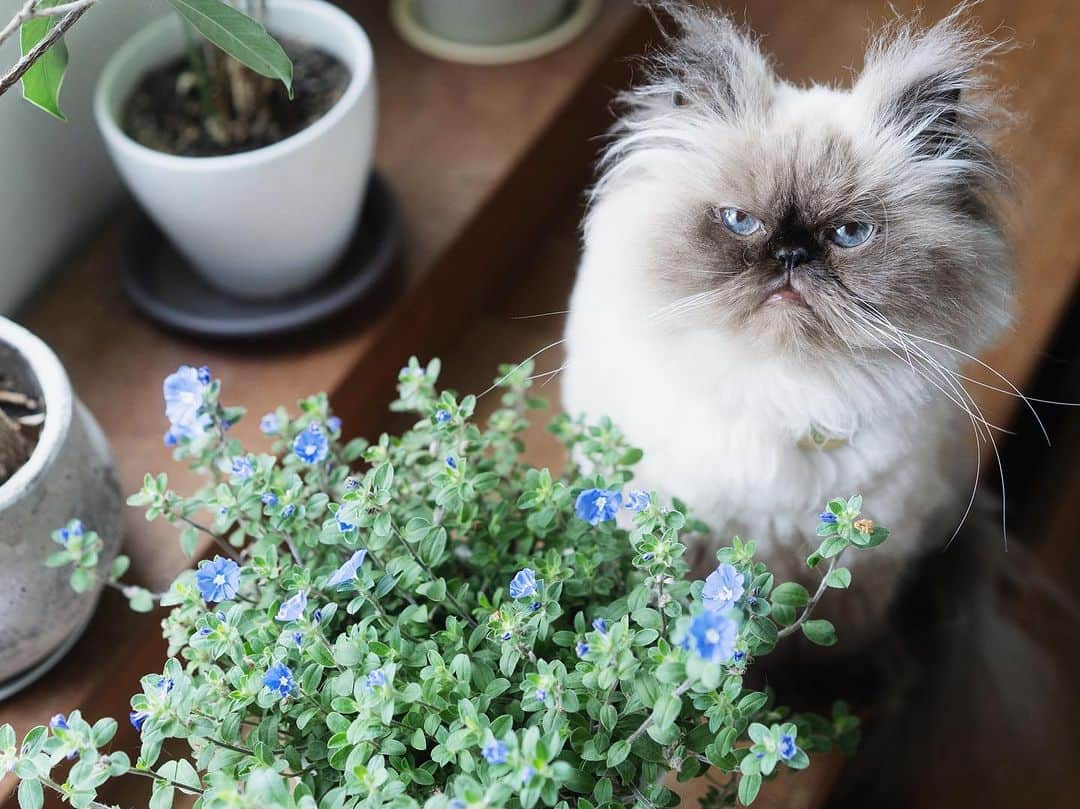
<point x="644" y="726"/>
<point x="55" y="33"/>
<point x="822" y="587"/>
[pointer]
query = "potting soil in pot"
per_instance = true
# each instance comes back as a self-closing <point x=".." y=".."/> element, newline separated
<point x="167" y="111"/>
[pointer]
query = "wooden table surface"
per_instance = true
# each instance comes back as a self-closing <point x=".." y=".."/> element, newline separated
<point x="482" y="159"/>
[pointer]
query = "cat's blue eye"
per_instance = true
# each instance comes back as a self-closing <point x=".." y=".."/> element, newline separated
<point x="739" y="222"/>
<point x="851" y="234"/>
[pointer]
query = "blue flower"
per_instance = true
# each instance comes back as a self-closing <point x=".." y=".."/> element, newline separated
<point x="648" y="556"/>
<point x="541" y="695"/>
<point x="73" y="529"/>
<point x="58" y="722"/>
<point x="635" y="500"/>
<point x="203" y="374"/>
<point x="506" y="635"/>
<point x="442" y="416"/>
<point x="723" y="588"/>
<point x="333" y="424"/>
<point x="137" y="718"/>
<point x="269" y="499"/>
<point x="739" y="656"/>
<point x="786" y="749"/>
<point x="451" y="461"/>
<point x="600" y="625"/>
<point x="598" y="505"/>
<point x="311" y="445"/>
<point x="827" y="517"/>
<point x="280" y="679"/>
<point x="242" y="469"/>
<point x="317" y="615"/>
<point x="534" y="606"/>
<point x="523" y="584"/>
<point x="712" y="636"/>
<point x="351" y="484"/>
<point x="494" y="752"/>
<point x="527" y="775"/>
<point x="298" y="638"/>
<point x="269" y="424"/>
<point x="218" y="580"/>
<point x="375" y="679"/>
<point x="582" y="648"/>
<point x="343" y="526"/>
<point x="169" y="439"/>
<point x="185" y="396"/>
<point x="292" y="609"/>
<point x="347" y="572"/>
<point x="288" y="511"/>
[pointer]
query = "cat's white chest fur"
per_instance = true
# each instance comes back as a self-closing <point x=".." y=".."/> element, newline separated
<point x="720" y="420"/>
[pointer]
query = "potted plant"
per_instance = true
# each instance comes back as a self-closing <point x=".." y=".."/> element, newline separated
<point x="53" y="460"/>
<point x="489" y="22"/>
<point x="428" y="620"/>
<point x="251" y="155"/>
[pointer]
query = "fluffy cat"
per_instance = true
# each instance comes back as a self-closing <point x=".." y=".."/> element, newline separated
<point x="779" y="284"/>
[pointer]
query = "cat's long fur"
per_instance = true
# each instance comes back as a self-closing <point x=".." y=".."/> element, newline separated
<point x="669" y="330"/>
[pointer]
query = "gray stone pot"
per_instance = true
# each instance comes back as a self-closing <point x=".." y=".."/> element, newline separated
<point x="70" y="474"/>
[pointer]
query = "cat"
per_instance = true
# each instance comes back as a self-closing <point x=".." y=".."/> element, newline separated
<point x="779" y="284"/>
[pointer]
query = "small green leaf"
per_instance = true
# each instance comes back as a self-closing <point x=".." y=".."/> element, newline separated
<point x="618" y="752"/>
<point x="42" y="82"/>
<point x="31" y="796"/>
<point x="238" y="35"/>
<point x="749" y="785"/>
<point x="820" y="631"/>
<point x="840" y="578"/>
<point x="790" y="594"/>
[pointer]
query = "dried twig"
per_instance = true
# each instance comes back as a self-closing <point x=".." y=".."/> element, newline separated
<point x="76" y="10"/>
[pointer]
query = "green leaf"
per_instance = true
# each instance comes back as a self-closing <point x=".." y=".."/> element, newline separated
<point x="42" y="82"/>
<point x="748" y="788"/>
<point x="238" y="35"/>
<point x="31" y="796"/>
<point x="820" y="631"/>
<point x="790" y="594"/>
<point x="840" y="578"/>
<point x="618" y="752"/>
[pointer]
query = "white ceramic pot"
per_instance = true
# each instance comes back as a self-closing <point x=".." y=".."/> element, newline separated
<point x="69" y="474"/>
<point x="267" y="222"/>
<point x="489" y="22"/>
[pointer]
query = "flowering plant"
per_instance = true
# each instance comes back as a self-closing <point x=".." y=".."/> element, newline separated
<point x="428" y="620"/>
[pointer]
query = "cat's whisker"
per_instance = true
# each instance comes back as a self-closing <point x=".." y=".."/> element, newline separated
<point x="975" y="429"/>
<point x="946" y="373"/>
<point x="520" y="365"/>
<point x="1013" y="390"/>
<point x="542" y="314"/>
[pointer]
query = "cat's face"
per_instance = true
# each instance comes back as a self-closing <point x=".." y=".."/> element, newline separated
<point x="823" y="219"/>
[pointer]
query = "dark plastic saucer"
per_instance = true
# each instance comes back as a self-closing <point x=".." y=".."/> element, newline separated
<point x="162" y="285"/>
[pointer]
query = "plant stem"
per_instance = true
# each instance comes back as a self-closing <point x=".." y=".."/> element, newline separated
<point x="644" y="726"/>
<point x="461" y="610"/>
<point x="46" y="42"/>
<point x="822" y="587"/>
<point x="220" y="540"/>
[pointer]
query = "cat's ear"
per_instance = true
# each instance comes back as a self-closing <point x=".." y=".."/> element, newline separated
<point x="927" y="87"/>
<point x="708" y="62"/>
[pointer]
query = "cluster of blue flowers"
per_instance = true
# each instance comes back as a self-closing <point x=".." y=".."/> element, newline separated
<point x="185" y="399"/>
<point x="600" y="505"/>
<point x="312" y="446"/>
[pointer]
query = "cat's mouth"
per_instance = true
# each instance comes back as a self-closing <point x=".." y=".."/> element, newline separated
<point x="785" y="293"/>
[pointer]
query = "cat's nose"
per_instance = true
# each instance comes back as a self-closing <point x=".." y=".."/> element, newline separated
<point x="791" y="257"/>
